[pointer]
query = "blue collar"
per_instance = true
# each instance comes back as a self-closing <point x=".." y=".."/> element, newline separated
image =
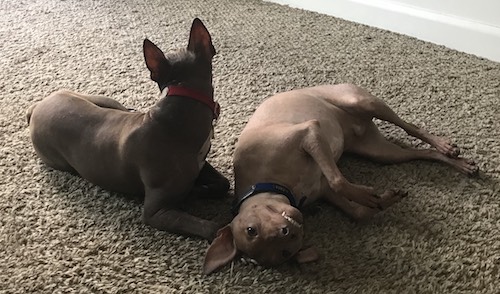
<point x="262" y="188"/>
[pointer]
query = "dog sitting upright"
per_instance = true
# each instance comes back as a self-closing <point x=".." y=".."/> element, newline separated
<point x="286" y="157"/>
<point x="159" y="154"/>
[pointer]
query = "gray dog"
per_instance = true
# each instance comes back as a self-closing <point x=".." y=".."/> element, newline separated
<point x="286" y="157"/>
<point x="159" y="154"/>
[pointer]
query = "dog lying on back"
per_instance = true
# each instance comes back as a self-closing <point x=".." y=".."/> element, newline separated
<point x="159" y="154"/>
<point x="286" y="157"/>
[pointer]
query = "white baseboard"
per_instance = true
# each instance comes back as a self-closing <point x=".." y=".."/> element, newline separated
<point x="455" y="32"/>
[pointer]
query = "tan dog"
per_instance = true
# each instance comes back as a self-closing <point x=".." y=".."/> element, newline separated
<point x="159" y="154"/>
<point x="286" y="157"/>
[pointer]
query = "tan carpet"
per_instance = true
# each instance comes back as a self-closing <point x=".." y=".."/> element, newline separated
<point x="60" y="234"/>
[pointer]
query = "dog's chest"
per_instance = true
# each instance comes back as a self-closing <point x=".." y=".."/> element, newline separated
<point x="202" y="154"/>
<point x="309" y="185"/>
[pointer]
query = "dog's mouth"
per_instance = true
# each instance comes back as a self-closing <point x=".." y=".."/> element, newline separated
<point x="291" y="220"/>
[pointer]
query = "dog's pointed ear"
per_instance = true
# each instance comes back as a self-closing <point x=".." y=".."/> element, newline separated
<point x="156" y="62"/>
<point x="308" y="254"/>
<point x="200" y="41"/>
<point x="221" y="251"/>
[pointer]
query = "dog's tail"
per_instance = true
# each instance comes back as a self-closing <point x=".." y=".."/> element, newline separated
<point x="29" y="111"/>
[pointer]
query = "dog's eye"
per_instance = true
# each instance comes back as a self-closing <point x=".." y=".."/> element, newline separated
<point x="252" y="232"/>
<point x="286" y="253"/>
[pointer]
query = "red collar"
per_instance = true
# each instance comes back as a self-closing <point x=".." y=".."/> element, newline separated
<point x="196" y="95"/>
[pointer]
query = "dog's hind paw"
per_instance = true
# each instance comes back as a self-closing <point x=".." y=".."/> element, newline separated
<point x="453" y="151"/>
<point x="468" y="166"/>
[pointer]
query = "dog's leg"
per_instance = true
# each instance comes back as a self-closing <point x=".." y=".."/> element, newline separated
<point x="362" y="103"/>
<point x="318" y="148"/>
<point x="210" y="183"/>
<point x="180" y="222"/>
<point x="101" y="101"/>
<point x="105" y="102"/>
<point x="375" y="146"/>
<point x="443" y="145"/>
<point x="163" y="197"/>
<point x="166" y="217"/>
<point x="360" y="212"/>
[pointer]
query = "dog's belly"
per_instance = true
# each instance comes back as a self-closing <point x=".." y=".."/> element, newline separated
<point x="270" y="147"/>
<point x="309" y="186"/>
<point x="295" y="170"/>
<point x="275" y="154"/>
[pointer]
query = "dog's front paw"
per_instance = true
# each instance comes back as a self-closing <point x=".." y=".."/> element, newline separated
<point x="467" y="166"/>
<point x="211" y="228"/>
<point x="210" y="190"/>
<point x="210" y="183"/>
<point x="386" y="199"/>
<point x="360" y="194"/>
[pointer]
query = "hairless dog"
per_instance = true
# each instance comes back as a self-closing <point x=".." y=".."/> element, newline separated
<point x="286" y="157"/>
<point x="159" y="154"/>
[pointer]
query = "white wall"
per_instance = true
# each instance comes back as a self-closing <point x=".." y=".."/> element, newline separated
<point x="464" y="25"/>
<point x="482" y="11"/>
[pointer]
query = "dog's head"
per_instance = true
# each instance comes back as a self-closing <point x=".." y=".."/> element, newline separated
<point x="266" y="229"/>
<point x="191" y="66"/>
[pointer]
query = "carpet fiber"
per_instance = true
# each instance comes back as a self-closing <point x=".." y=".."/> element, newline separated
<point x="60" y="234"/>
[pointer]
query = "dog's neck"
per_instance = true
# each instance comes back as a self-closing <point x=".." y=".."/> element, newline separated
<point x="262" y="188"/>
<point x="205" y="97"/>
